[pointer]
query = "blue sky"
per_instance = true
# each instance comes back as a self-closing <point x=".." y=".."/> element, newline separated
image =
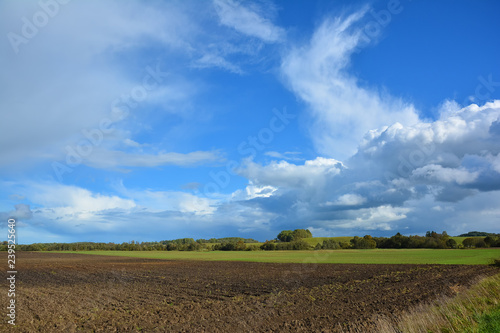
<point x="159" y="120"/>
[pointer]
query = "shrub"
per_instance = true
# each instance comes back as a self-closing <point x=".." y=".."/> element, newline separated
<point x="193" y="247"/>
<point x="230" y="246"/>
<point x="252" y="248"/>
<point x="300" y="245"/>
<point x="345" y="245"/>
<point x="295" y="245"/>
<point x="330" y="244"/>
<point x="268" y="246"/>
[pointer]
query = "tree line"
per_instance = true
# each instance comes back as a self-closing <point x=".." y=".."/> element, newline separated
<point x="285" y="240"/>
<point x="180" y="244"/>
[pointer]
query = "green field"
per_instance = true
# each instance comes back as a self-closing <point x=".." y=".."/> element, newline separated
<point x="315" y="240"/>
<point x="377" y="256"/>
<point x="459" y="240"/>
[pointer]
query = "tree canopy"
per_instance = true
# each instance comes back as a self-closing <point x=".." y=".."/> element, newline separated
<point x="290" y="236"/>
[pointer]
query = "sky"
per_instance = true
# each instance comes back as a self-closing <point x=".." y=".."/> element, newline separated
<point x="155" y="120"/>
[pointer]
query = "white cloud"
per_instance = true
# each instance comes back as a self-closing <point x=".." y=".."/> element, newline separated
<point x="288" y="155"/>
<point x="448" y="142"/>
<point x="283" y="174"/>
<point x="343" y="112"/>
<point x="74" y="199"/>
<point x="132" y="213"/>
<point x="161" y="201"/>
<point x="376" y="218"/>
<point x="248" y="20"/>
<point x="213" y="60"/>
<point x="64" y="209"/>
<point x="437" y="173"/>
<point x="158" y="201"/>
<point x="131" y="143"/>
<point x="252" y="191"/>
<point x="70" y="205"/>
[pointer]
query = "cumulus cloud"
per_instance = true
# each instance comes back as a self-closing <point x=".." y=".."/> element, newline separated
<point x="436" y="173"/>
<point x="56" y="210"/>
<point x="376" y="218"/>
<point x="455" y="147"/>
<point x="284" y="174"/>
<point x="397" y="173"/>
<point x="342" y="110"/>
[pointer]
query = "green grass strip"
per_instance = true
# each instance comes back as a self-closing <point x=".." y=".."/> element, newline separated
<point x="376" y="256"/>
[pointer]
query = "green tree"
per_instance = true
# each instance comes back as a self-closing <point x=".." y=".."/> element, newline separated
<point x="367" y="242"/>
<point x="301" y="233"/>
<point x="451" y="243"/>
<point x="469" y="242"/>
<point x="480" y="243"/>
<point x="285" y="236"/>
<point x="491" y="240"/>
<point x="290" y="236"/>
<point x="240" y="246"/>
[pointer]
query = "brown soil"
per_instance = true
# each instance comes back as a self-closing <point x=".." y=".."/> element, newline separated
<point x="76" y="292"/>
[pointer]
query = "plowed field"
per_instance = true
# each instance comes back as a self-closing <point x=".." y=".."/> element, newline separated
<point x="75" y="292"/>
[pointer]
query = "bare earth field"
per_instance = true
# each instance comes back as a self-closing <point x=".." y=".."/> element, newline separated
<point x="75" y="292"/>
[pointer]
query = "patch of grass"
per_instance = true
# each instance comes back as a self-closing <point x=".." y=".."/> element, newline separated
<point x="476" y="310"/>
<point x="315" y="240"/>
<point x="376" y="256"/>
<point x="256" y="244"/>
<point x="460" y="240"/>
<point x="490" y="321"/>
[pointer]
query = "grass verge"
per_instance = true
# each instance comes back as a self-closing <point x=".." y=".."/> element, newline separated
<point x="476" y="310"/>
